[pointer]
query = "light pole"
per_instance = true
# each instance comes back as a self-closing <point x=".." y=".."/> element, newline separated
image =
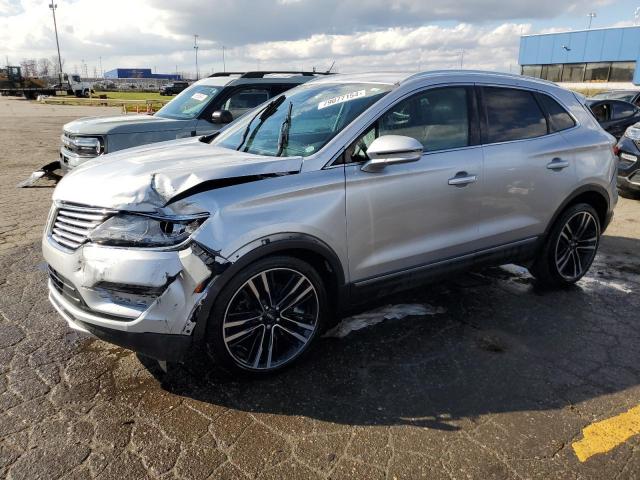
<point x="591" y="16"/>
<point x="53" y="7"/>
<point x="195" y="47"/>
<point x="224" y="65"/>
<point x="461" y="57"/>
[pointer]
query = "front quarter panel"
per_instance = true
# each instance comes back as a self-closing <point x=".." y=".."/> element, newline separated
<point x="310" y="203"/>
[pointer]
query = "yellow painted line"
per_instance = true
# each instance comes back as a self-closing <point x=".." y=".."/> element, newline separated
<point x="605" y="435"/>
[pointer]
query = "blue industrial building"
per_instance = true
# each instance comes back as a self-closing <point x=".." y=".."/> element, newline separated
<point x="598" y="55"/>
<point x="139" y="73"/>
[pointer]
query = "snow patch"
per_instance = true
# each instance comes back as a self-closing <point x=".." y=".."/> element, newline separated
<point x="373" y="317"/>
<point x="591" y="283"/>
<point x="516" y="270"/>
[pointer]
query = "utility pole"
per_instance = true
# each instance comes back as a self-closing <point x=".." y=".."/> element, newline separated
<point x="224" y="65"/>
<point x="591" y="16"/>
<point x="53" y="7"/>
<point x="461" y="57"/>
<point x="195" y="47"/>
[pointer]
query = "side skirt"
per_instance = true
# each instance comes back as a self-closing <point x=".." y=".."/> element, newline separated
<point x="520" y="251"/>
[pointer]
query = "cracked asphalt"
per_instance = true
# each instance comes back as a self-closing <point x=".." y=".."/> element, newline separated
<point x="497" y="384"/>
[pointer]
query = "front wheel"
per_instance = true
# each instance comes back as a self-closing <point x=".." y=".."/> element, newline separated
<point x="267" y="316"/>
<point x="570" y="248"/>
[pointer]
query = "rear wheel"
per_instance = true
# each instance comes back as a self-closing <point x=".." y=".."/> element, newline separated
<point x="267" y="316"/>
<point x="570" y="248"/>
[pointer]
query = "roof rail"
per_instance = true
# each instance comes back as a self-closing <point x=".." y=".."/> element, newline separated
<point x="262" y="73"/>
<point x="225" y="74"/>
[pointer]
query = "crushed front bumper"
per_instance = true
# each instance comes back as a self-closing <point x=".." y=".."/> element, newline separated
<point x="140" y="299"/>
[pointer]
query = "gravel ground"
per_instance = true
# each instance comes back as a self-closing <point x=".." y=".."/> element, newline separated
<point x="496" y="381"/>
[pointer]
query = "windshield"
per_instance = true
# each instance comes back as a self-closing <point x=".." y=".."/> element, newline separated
<point x="189" y="103"/>
<point x="626" y="96"/>
<point x="302" y="121"/>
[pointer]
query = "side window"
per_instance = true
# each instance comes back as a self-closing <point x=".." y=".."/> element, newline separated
<point x="559" y="119"/>
<point x="242" y="101"/>
<point x="512" y="114"/>
<point x="602" y="112"/>
<point x="278" y="89"/>
<point x="622" y="110"/>
<point x="437" y="118"/>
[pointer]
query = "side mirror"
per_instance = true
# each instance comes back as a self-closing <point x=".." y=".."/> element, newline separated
<point x="222" y="116"/>
<point x="392" y="149"/>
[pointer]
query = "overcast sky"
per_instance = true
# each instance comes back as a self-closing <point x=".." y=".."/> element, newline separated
<point x="291" y="34"/>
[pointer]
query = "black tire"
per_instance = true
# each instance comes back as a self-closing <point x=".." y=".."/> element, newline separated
<point x="238" y="300"/>
<point x="562" y="261"/>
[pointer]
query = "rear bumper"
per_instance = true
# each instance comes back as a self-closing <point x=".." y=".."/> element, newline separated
<point x="630" y="183"/>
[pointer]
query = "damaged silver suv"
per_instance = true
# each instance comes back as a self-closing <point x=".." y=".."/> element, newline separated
<point x="250" y="241"/>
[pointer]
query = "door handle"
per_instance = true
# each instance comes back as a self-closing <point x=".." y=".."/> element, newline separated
<point x="557" y="164"/>
<point x="462" y="178"/>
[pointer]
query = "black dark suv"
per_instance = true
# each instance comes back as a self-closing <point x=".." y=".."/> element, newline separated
<point x="628" y="150"/>
<point x="173" y="88"/>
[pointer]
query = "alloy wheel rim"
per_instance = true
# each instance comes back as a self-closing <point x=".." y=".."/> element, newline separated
<point x="576" y="246"/>
<point x="270" y="319"/>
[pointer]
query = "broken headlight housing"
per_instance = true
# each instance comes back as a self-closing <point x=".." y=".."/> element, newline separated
<point x="146" y="230"/>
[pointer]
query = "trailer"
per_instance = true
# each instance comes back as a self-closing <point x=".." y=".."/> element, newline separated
<point x="13" y="83"/>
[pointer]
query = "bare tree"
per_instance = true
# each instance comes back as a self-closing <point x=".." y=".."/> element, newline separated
<point x="54" y="62"/>
<point x="29" y="67"/>
<point x="44" y="67"/>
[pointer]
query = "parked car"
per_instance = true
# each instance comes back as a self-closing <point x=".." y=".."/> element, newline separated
<point x="628" y="151"/>
<point x="173" y="88"/>
<point x="631" y="96"/>
<point x="203" y="108"/>
<point x="614" y="115"/>
<point x="252" y="240"/>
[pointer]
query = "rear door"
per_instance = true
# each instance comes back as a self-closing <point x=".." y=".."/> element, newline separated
<point x="413" y="214"/>
<point x="528" y="165"/>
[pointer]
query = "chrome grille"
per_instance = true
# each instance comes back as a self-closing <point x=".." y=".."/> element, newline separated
<point x="72" y="224"/>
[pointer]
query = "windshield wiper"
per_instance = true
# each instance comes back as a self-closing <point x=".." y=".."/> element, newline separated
<point x="209" y="137"/>
<point x="265" y="113"/>
<point x="283" y="138"/>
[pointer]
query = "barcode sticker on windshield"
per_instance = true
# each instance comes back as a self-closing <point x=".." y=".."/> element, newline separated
<point x="199" y="96"/>
<point x="340" y="99"/>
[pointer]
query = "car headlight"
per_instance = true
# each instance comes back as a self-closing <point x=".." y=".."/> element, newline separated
<point x="633" y="132"/>
<point x="83" y="145"/>
<point x="146" y="230"/>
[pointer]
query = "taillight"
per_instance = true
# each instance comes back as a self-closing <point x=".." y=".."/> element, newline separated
<point x="616" y="150"/>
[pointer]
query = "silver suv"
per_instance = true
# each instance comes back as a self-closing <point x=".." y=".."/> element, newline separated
<point x="205" y="107"/>
<point x="250" y="242"/>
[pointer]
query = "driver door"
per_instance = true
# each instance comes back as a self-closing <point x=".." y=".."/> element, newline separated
<point x="410" y="215"/>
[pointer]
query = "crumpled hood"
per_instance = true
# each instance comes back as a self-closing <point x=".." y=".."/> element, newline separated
<point x="146" y="178"/>
<point x="122" y="124"/>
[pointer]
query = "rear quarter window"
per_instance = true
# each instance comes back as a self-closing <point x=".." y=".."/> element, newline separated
<point x="512" y="114"/>
<point x="559" y="118"/>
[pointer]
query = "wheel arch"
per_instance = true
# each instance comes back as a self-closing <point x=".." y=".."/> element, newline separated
<point x="592" y="194"/>
<point x="302" y="246"/>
